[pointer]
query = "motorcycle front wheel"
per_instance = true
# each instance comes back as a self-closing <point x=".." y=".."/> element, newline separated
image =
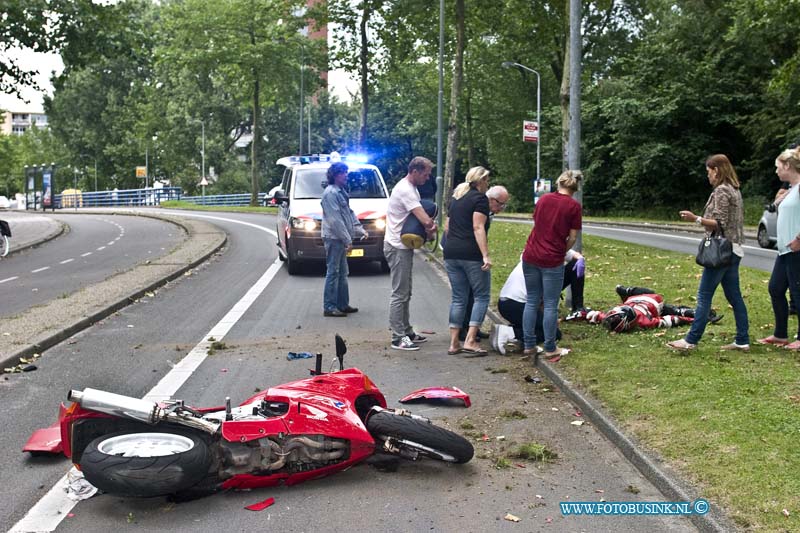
<point x="146" y="464"/>
<point x="427" y="439"/>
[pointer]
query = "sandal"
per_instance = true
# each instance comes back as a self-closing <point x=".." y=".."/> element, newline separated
<point x="555" y="357"/>
<point x="681" y="345"/>
<point x="455" y="352"/>
<point x="531" y="351"/>
<point x="772" y="339"/>
<point x="794" y="346"/>
<point x="474" y="353"/>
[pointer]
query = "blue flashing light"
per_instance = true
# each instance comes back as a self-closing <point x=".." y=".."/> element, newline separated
<point x="358" y="158"/>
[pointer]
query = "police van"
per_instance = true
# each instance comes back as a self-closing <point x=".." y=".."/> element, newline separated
<point x="300" y="212"/>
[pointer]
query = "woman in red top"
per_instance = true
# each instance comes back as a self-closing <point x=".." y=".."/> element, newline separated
<point x="556" y="222"/>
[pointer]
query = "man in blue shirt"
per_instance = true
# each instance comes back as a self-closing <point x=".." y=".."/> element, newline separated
<point x="339" y="226"/>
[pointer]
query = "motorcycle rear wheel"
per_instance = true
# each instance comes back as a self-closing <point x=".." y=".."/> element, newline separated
<point x="145" y="465"/>
<point x="428" y="439"/>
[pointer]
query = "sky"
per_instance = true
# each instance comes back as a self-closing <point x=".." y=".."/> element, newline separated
<point x="45" y="64"/>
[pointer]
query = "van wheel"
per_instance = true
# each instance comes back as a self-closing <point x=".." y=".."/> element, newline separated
<point x="763" y="237"/>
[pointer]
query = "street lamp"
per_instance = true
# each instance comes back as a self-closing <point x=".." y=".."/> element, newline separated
<point x="440" y="104"/>
<point x="95" y="168"/>
<point x="512" y="64"/>
<point x="202" y="155"/>
<point x="147" y="173"/>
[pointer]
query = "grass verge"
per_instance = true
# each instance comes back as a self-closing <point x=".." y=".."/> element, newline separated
<point x="178" y="204"/>
<point x="728" y="421"/>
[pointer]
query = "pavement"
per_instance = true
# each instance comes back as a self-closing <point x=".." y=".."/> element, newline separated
<point x="45" y="326"/>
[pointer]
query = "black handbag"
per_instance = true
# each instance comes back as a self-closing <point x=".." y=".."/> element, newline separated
<point x="715" y="250"/>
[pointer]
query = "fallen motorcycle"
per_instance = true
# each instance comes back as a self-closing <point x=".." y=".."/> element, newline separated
<point x="291" y="433"/>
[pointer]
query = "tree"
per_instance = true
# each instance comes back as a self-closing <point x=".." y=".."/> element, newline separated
<point x="244" y="46"/>
<point x="41" y="26"/>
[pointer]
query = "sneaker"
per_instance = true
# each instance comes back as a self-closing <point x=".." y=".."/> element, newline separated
<point x="334" y="312"/>
<point x="493" y="338"/>
<point x="404" y="343"/>
<point x="734" y="346"/>
<point x="417" y="339"/>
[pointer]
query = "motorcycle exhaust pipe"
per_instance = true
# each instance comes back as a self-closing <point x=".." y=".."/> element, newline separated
<point x="117" y="405"/>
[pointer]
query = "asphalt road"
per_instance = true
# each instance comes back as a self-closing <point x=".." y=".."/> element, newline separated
<point x="131" y="351"/>
<point x="754" y="255"/>
<point x="96" y="247"/>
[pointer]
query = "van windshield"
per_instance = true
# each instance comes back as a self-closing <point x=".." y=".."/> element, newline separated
<point x="361" y="183"/>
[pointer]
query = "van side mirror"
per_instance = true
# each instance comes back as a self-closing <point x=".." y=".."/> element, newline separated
<point x="341" y="349"/>
<point x="280" y="197"/>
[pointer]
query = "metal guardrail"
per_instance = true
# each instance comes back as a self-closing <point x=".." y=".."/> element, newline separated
<point x="143" y="197"/>
<point x="224" y="199"/>
<point x="125" y="197"/>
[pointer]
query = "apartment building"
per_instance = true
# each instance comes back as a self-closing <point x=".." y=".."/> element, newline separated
<point x="18" y="122"/>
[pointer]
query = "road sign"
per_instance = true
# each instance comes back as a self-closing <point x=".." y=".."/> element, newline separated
<point x="141" y="172"/>
<point x="203" y="182"/>
<point x="530" y="131"/>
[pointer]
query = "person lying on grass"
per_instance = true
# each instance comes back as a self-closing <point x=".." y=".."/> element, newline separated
<point x="641" y="308"/>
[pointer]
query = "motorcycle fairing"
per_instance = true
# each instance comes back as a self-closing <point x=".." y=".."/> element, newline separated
<point x="445" y="393"/>
<point x="47" y="440"/>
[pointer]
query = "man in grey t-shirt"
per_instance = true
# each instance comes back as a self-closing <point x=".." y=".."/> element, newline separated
<point x="403" y="202"/>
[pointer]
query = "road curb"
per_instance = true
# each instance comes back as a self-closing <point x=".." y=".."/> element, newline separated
<point x="62" y="228"/>
<point x="646" y="462"/>
<point x="79" y="325"/>
<point x="687" y="228"/>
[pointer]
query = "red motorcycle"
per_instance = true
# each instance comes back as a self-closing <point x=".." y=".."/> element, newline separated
<point x="291" y="433"/>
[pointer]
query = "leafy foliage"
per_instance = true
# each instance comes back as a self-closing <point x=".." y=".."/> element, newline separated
<point x="665" y="84"/>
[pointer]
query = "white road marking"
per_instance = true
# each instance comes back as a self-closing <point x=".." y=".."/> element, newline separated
<point x="109" y="243"/>
<point x="65" y="261"/>
<point x="39" y="270"/>
<point x="101" y="248"/>
<point x="53" y="507"/>
<point x="86" y="254"/>
<point x="9" y="279"/>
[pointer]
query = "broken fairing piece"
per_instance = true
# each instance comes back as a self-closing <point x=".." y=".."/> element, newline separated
<point x="438" y="393"/>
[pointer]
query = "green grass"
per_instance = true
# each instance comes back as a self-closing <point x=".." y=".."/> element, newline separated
<point x="177" y="204"/>
<point x="730" y="422"/>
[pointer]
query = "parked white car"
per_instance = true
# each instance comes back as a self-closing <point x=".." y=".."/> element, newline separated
<point x="768" y="227"/>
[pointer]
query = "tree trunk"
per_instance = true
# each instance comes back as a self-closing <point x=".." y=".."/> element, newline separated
<point x="363" y="67"/>
<point x="455" y="93"/>
<point x="565" y="100"/>
<point x="468" y="127"/>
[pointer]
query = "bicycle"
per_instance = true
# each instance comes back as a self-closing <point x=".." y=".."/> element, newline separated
<point x="5" y="238"/>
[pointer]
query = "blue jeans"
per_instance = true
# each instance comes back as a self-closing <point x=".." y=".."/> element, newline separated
<point x="728" y="276"/>
<point x="464" y="275"/>
<point x="543" y="286"/>
<point x="785" y="275"/>
<point x="337" y="293"/>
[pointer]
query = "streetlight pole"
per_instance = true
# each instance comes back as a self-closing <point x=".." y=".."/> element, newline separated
<point x="510" y="64"/>
<point x="95" y="168"/>
<point x="302" y="95"/>
<point x="202" y="155"/>
<point x="439" y="178"/>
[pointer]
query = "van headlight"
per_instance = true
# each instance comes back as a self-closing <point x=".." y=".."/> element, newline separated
<point x="306" y="224"/>
<point x="380" y="224"/>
